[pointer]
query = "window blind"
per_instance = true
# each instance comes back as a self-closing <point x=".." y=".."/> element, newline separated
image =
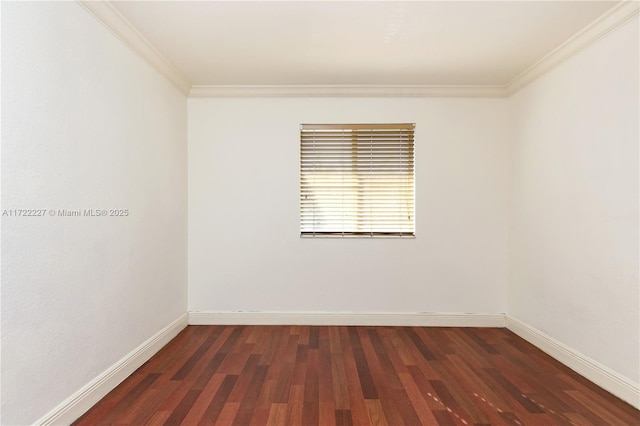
<point x="357" y="180"/>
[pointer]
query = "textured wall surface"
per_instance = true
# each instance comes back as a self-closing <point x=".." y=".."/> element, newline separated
<point x="574" y="246"/>
<point x="86" y="124"/>
<point x="245" y="251"/>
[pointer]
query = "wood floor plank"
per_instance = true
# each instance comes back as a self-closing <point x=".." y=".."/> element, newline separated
<point x="382" y="354"/>
<point x="444" y="394"/>
<point x="594" y="407"/>
<point x="227" y="415"/>
<point x="244" y="380"/>
<point x="235" y="361"/>
<point x="335" y="343"/>
<point x="426" y="353"/>
<point x="283" y="384"/>
<point x="142" y="412"/>
<point x="364" y="374"/>
<point x="200" y="406"/>
<point x="312" y="379"/>
<point x="354" y="338"/>
<point x="210" y="369"/>
<point x="418" y="401"/>
<point x="267" y="392"/>
<point x="286" y="342"/>
<point x="245" y="412"/>
<point x="393" y="410"/>
<point x="325" y="379"/>
<point x="259" y="417"/>
<point x="158" y="418"/>
<point x="443" y="418"/>
<point x="343" y="418"/>
<point x="332" y="375"/>
<point x="277" y="415"/>
<point x="178" y="350"/>
<point x="440" y="339"/>
<point x="327" y="413"/>
<point x="299" y="374"/>
<point x="339" y="382"/>
<point x="407" y="412"/>
<point x="310" y="413"/>
<point x="359" y="412"/>
<point x="295" y="405"/>
<point x="551" y="403"/>
<point x="376" y="413"/>
<point x="475" y="388"/>
<point x="218" y="401"/>
<point x="133" y="397"/>
<point x="303" y="335"/>
<point x="597" y="395"/>
<point x="398" y="364"/>
<point x="195" y="357"/>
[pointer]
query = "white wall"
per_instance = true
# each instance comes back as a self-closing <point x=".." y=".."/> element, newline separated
<point x="245" y="253"/>
<point x="86" y="124"/>
<point x="574" y="201"/>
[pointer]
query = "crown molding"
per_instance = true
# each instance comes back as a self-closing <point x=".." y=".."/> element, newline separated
<point x="111" y="18"/>
<point x="609" y="21"/>
<point x="355" y="91"/>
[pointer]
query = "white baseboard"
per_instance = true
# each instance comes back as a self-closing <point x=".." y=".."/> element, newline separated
<point x="419" y="319"/>
<point x="81" y="401"/>
<point x="602" y="376"/>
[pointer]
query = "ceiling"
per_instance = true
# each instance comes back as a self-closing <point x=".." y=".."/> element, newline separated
<point x="442" y="43"/>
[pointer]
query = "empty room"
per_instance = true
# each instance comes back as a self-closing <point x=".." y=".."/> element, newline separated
<point x="320" y="213"/>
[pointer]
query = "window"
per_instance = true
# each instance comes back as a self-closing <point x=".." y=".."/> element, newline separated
<point x="357" y="180"/>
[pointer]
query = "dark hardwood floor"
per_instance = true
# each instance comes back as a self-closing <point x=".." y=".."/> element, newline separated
<point x="302" y="375"/>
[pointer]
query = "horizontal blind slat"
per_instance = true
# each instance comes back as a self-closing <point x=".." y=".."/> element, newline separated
<point x="357" y="179"/>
